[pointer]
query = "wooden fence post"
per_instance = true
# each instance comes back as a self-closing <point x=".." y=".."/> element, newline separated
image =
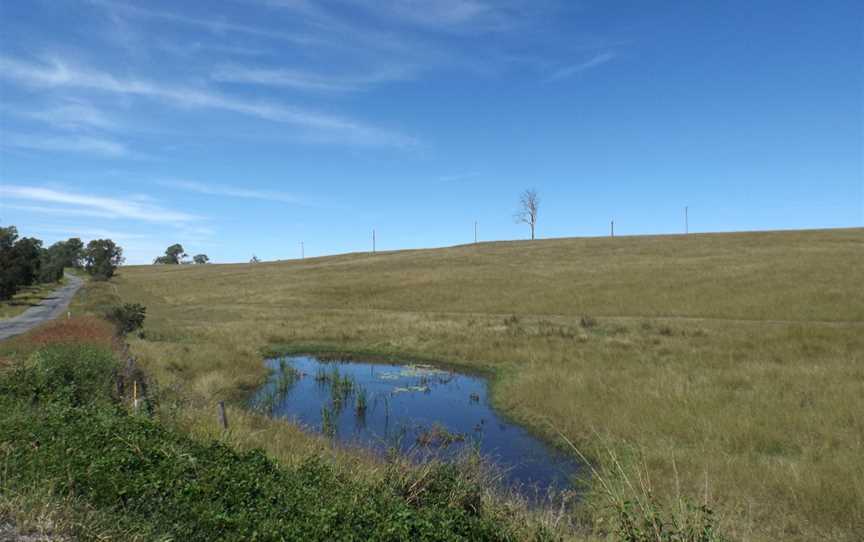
<point x="223" y="418"/>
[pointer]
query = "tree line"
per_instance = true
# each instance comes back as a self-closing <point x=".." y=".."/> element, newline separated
<point x="24" y="261"/>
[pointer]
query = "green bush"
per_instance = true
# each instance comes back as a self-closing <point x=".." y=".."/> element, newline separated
<point x="73" y="374"/>
<point x="127" y="317"/>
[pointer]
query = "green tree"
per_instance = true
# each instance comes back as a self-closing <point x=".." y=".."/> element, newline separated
<point x="8" y="282"/>
<point x="53" y="262"/>
<point x="27" y="258"/>
<point x="173" y="255"/>
<point x="201" y="258"/>
<point x="101" y="258"/>
<point x="70" y="252"/>
<point x="59" y="256"/>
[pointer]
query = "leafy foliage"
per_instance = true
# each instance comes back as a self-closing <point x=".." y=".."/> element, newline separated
<point x="173" y="255"/>
<point x="24" y="262"/>
<point x="73" y="374"/>
<point x="101" y="258"/>
<point x="128" y="317"/>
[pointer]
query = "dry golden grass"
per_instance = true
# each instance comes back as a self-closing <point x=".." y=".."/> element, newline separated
<point x="728" y="367"/>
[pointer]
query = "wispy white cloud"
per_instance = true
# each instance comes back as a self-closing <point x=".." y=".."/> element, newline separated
<point x="59" y="211"/>
<point x="69" y="115"/>
<point x="89" y="233"/>
<point x="230" y="191"/>
<point x="109" y="207"/>
<point x="216" y="26"/>
<point x="305" y="80"/>
<point x="323" y="127"/>
<point x="571" y="70"/>
<point x="390" y="42"/>
<point x="434" y="12"/>
<point x="75" y="144"/>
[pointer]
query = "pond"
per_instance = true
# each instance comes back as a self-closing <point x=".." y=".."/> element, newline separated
<point x="416" y="408"/>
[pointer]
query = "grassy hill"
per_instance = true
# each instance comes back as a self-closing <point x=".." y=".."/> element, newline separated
<point x="722" y="367"/>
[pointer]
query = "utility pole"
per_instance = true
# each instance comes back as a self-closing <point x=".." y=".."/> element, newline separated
<point x="475" y="232"/>
<point x="686" y="220"/>
<point x="302" y="252"/>
<point x="612" y="228"/>
<point x="373" y="240"/>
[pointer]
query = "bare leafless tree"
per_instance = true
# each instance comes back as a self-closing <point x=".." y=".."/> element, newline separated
<point x="529" y="204"/>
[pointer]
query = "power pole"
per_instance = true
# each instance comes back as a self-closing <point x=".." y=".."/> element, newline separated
<point x="302" y="252"/>
<point x="686" y="220"/>
<point x="475" y="232"/>
<point x="373" y="240"/>
<point x="612" y="228"/>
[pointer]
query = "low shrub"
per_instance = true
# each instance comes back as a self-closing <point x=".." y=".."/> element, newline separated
<point x="588" y="322"/>
<point x="73" y="374"/>
<point x="127" y="317"/>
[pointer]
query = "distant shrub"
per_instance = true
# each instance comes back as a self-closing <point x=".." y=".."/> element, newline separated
<point x="666" y="331"/>
<point x="511" y="321"/>
<point x="513" y="325"/>
<point x="587" y="322"/>
<point x="128" y="317"/>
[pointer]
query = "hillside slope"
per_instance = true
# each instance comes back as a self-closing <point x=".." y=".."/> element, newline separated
<point x="802" y="275"/>
<point x="730" y="366"/>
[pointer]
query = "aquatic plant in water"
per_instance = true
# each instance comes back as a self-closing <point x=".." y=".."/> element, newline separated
<point x="438" y="435"/>
<point x="266" y="401"/>
<point x="287" y="377"/>
<point x="360" y="401"/>
<point x="328" y="427"/>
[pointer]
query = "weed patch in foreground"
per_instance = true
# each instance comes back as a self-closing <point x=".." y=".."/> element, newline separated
<point x="77" y="330"/>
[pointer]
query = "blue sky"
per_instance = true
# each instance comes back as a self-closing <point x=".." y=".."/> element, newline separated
<point x="247" y="126"/>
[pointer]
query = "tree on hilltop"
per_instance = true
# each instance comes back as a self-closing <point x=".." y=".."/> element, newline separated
<point x="173" y="255"/>
<point x="101" y="258"/>
<point x="529" y="205"/>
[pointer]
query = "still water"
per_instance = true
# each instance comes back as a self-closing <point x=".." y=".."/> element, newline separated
<point x="416" y="408"/>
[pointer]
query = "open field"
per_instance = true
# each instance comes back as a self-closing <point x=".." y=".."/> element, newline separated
<point x="729" y="367"/>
